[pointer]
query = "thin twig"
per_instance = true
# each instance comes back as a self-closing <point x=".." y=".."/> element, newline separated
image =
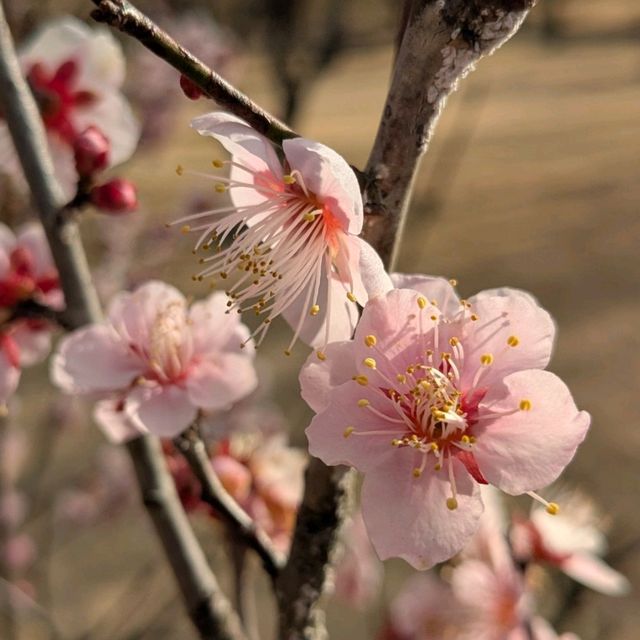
<point x="209" y="610"/>
<point x="193" y="449"/>
<point x="124" y="16"/>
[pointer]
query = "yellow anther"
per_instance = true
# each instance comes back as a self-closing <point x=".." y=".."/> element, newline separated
<point x="417" y="473"/>
<point x="369" y="362"/>
<point x="434" y="446"/>
<point x="452" y="504"/>
<point x="486" y="359"/>
<point x="309" y="216"/>
<point x="401" y="378"/>
<point x="396" y="443"/>
<point x="363" y="403"/>
<point x="434" y="318"/>
<point x="465" y="440"/>
<point x="224" y="275"/>
<point x="454" y="342"/>
<point x="287" y="352"/>
<point x="473" y="439"/>
<point x="410" y="369"/>
<point x="321" y="355"/>
<point x="220" y="188"/>
<point x="361" y="380"/>
<point x="185" y="228"/>
<point x="315" y="310"/>
<point x="422" y="302"/>
<point x="513" y="341"/>
<point x="438" y="467"/>
<point x="351" y="297"/>
<point x="553" y="508"/>
<point x="453" y="282"/>
<point x="370" y="341"/>
<point x="347" y="432"/>
<point x="218" y="164"/>
<point x="425" y="385"/>
<point x="288" y="179"/>
<point x="525" y="405"/>
<point x="474" y="317"/>
<point x="179" y="169"/>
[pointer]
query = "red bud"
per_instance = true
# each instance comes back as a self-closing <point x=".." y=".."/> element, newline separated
<point x="91" y="150"/>
<point x="116" y="196"/>
<point x="190" y="89"/>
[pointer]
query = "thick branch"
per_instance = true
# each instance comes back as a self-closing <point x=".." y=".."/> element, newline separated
<point x="301" y="583"/>
<point x="214" y="494"/>
<point x="208" y="608"/>
<point x="441" y="44"/>
<point x="125" y="17"/>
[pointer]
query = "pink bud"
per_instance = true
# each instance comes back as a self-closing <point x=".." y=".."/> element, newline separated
<point x="92" y="149"/>
<point x="190" y="89"/>
<point x="116" y="196"/>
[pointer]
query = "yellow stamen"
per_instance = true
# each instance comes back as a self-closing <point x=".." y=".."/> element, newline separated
<point x="351" y="297"/>
<point x="370" y="341"/>
<point x="220" y="188"/>
<point x="452" y="504"/>
<point x="453" y="282"/>
<point x="185" y="228"/>
<point x="401" y="378"/>
<point x="553" y="508"/>
<point x="363" y="403"/>
<point x="369" y="362"/>
<point x="315" y="310"/>
<point x="218" y="164"/>
<point x="361" y="380"/>
<point x="309" y="216"/>
<point x="179" y="169"/>
<point x="486" y="359"/>
<point x="422" y="302"/>
<point x="417" y="473"/>
<point x="347" y="432"/>
<point x="454" y="342"/>
<point x="288" y="179"/>
<point x="513" y="341"/>
<point x="321" y="355"/>
<point x="525" y="405"/>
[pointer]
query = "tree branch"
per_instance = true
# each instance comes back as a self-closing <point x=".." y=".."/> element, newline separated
<point x="208" y="608"/>
<point x="124" y="16"/>
<point x="441" y="44"/>
<point x="193" y="449"/>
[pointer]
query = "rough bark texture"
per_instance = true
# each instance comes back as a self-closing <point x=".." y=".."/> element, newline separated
<point x="442" y="42"/>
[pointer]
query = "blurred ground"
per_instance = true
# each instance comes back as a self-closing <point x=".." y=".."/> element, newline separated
<point x="532" y="181"/>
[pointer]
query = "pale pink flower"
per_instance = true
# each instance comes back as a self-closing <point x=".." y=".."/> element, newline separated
<point x="27" y="273"/>
<point x="75" y="74"/>
<point x="290" y="232"/>
<point x="160" y="362"/>
<point x="431" y="400"/>
<point x="572" y="541"/>
<point x="358" y="572"/>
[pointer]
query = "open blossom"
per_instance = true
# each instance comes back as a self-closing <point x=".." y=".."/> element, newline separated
<point x="75" y="74"/>
<point x="27" y="273"/>
<point x="155" y="362"/>
<point x="290" y="235"/>
<point x="572" y="542"/>
<point x="433" y="397"/>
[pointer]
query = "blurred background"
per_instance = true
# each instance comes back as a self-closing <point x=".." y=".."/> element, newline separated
<point x="532" y="180"/>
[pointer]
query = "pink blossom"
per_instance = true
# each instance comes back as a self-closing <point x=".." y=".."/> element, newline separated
<point x="75" y="74"/>
<point x="27" y="273"/>
<point x="433" y="397"/>
<point x="291" y="230"/>
<point x="358" y="573"/>
<point x="160" y="361"/>
<point x="573" y="542"/>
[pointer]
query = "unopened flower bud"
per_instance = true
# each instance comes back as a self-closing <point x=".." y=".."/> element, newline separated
<point x="116" y="196"/>
<point x="190" y="89"/>
<point x="91" y="149"/>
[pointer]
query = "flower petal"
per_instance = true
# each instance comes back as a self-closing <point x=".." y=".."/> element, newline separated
<point x="594" y="573"/>
<point x="371" y="277"/>
<point x="93" y="359"/>
<point x="511" y="314"/>
<point x="527" y="450"/>
<point x="34" y="344"/>
<point x="407" y="517"/>
<point x="328" y="175"/>
<point x="165" y="411"/>
<point x="31" y="236"/>
<point x="110" y="416"/>
<point x="319" y="377"/>
<point x="432" y="288"/>
<point x="216" y="384"/>
<point x="9" y="378"/>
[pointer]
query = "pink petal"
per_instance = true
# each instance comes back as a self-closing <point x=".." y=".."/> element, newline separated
<point x="344" y="315"/>
<point x="407" y="517"/>
<point x="214" y="329"/>
<point x="165" y="411"/>
<point x="31" y="236"/>
<point x="218" y="383"/>
<point x="512" y="313"/>
<point x="319" y="377"/>
<point x="527" y="450"/>
<point x="370" y="277"/>
<point x="248" y="148"/>
<point x="34" y="344"/>
<point x="326" y="431"/>
<point x="7" y="241"/>
<point x="9" y="379"/>
<point x="328" y="175"/>
<point x="64" y="166"/>
<point x="594" y="573"/>
<point x="93" y="359"/>
<point x="432" y="288"/>
<point x="115" y="424"/>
